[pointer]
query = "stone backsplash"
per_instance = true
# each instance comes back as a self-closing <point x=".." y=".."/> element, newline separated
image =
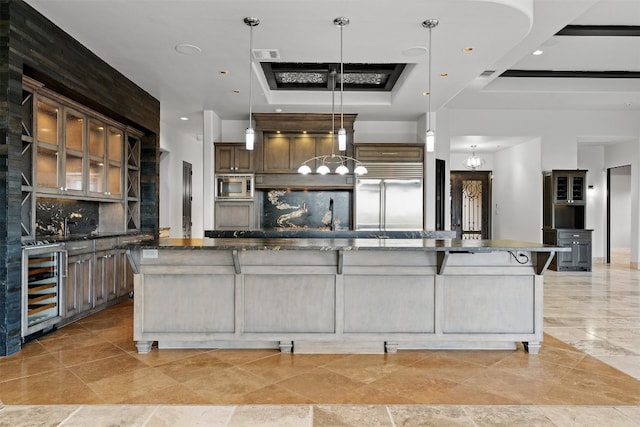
<point x="82" y="217"/>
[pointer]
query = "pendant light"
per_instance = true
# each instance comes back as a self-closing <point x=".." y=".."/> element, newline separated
<point x="335" y="159"/>
<point x="250" y="133"/>
<point x="430" y="136"/>
<point x="473" y="162"/>
<point x="342" y="132"/>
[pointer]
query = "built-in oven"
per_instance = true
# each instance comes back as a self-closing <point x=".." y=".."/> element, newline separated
<point x="234" y="186"/>
<point x="43" y="270"/>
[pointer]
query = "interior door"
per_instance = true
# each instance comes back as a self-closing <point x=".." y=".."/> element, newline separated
<point x="187" y="197"/>
<point x="471" y="204"/>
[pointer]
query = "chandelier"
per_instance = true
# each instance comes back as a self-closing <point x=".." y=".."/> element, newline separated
<point x="335" y="160"/>
<point x="473" y="162"/>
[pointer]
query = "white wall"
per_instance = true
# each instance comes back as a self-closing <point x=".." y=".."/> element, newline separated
<point x="620" y="207"/>
<point x="187" y="148"/>
<point x="591" y="158"/>
<point x="517" y="193"/>
<point x="629" y="154"/>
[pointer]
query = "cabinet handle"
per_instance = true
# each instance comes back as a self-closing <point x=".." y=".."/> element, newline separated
<point x="576" y="235"/>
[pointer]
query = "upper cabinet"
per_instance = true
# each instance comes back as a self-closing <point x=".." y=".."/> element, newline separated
<point x="569" y="187"/>
<point x="233" y="158"/>
<point x="78" y="153"/>
<point x="564" y="199"/>
<point x="285" y="153"/>
<point x="390" y="153"/>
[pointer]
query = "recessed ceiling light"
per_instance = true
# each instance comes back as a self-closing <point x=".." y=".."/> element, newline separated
<point x="236" y="91"/>
<point x="444" y="74"/>
<point x="188" y="49"/>
<point x="224" y="72"/>
<point x="278" y="110"/>
<point x="414" y="51"/>
<point x="184" y="118"/>
<point x="425" y="93"/>
<point x="537" y="52"/>
<point x="467" y="49"/>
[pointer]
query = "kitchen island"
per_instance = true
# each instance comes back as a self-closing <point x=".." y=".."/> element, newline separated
<point x="332" y="295"/>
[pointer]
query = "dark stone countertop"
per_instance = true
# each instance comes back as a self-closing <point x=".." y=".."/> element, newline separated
<point x="327" y="234"/>
<point x="276" y="244"/>
<point x="93" y="236"/>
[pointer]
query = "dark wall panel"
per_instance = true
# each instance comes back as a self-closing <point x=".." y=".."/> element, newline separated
<point x="32" y="45"/>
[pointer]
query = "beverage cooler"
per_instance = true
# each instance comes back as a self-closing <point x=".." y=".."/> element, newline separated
<point x="43" y="270"/>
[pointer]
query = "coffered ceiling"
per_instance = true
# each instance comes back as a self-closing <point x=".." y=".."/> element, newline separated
<point x="193" y="55"/>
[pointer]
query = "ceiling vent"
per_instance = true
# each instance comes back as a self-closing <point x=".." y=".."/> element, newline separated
<point x="487" y="73"/>
<point x="266" y="54"/>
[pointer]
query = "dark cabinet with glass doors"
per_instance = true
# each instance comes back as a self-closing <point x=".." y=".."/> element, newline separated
<point x="564" y="218"/>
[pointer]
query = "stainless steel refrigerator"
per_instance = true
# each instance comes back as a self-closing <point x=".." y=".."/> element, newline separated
<point x="389" y="204"/>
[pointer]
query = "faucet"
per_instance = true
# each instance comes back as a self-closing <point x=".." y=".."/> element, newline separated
<point x="65" y="230"/>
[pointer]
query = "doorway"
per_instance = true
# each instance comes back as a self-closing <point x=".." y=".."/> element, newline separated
<point x="187" y="197"/>
<point x="471" y="204"/>
<point x="619" y="215"/>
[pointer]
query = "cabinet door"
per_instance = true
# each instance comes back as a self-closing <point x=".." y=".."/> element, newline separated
<point x="304" y="148"/>
<point x="234" y="216"/>
<point x="105" y="284"/>
<point x="126" y="275"/>
<point x="578" y="185"/>
<point x="97" y="144"/>
<point x="224" y="158"/>
<point x="74" y="125"/>
<point x="47" y="135"/>
<point x="243" y="159"/>
<point x="277" y="153"/>
<point x="565" y="260"/>
<point x="582" y="254"/>
<point x="78" y="286"/>
<point x="561" y="189"/>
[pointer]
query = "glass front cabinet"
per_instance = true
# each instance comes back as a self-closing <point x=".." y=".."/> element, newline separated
<point x="78" y="153"/>
<point x="72" y="152"/>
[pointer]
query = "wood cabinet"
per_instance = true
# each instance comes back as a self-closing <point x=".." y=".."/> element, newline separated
<point x="412" y="153"/>
<point x="233" y="158"/>
<point x="579" y="259"/>
<point x="569" y="187"/>
<point x="285" y="153"/>
<point x="564" y="218"/>
<point x="107" y="275"/>
<point x="564" y="199"/>
<point x="78" y="285"/>
<point x="234" y="216"/>
<point x="79" y="153"/>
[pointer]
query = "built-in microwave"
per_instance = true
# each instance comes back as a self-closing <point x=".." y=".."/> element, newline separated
<point x="234" y="186"/>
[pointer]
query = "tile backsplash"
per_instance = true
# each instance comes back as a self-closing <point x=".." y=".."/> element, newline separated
<point x="82" y="216"/>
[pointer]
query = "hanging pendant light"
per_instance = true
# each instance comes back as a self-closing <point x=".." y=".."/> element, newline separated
<point x="342" y="132"/>
<point x="430" y="136"/>
<point x="250" y="133"/>
<point x="335" y="159"/>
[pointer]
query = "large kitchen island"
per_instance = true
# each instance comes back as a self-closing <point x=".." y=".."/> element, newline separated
<point x="336" y="295"/>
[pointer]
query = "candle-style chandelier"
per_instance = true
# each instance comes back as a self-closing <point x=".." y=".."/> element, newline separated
<point x="335" y="160"/>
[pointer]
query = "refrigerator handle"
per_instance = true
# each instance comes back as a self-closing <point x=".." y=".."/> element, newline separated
<point x="383" y="203"/>
<point x="64" y="259"/>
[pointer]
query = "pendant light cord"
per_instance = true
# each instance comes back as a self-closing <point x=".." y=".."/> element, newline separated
<point x="250" y="64"/>
<point x="341" y="81"/>
<point x="429" y="95"/>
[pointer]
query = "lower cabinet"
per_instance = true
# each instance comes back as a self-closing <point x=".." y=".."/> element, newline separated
<point x="98" y="272"/>
<point x="78" y="295"/>
<point x="579" y="240"/>
<point x="234" y="216"/>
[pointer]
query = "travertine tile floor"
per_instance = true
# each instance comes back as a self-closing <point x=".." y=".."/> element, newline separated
<point x="587" y="373"/>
